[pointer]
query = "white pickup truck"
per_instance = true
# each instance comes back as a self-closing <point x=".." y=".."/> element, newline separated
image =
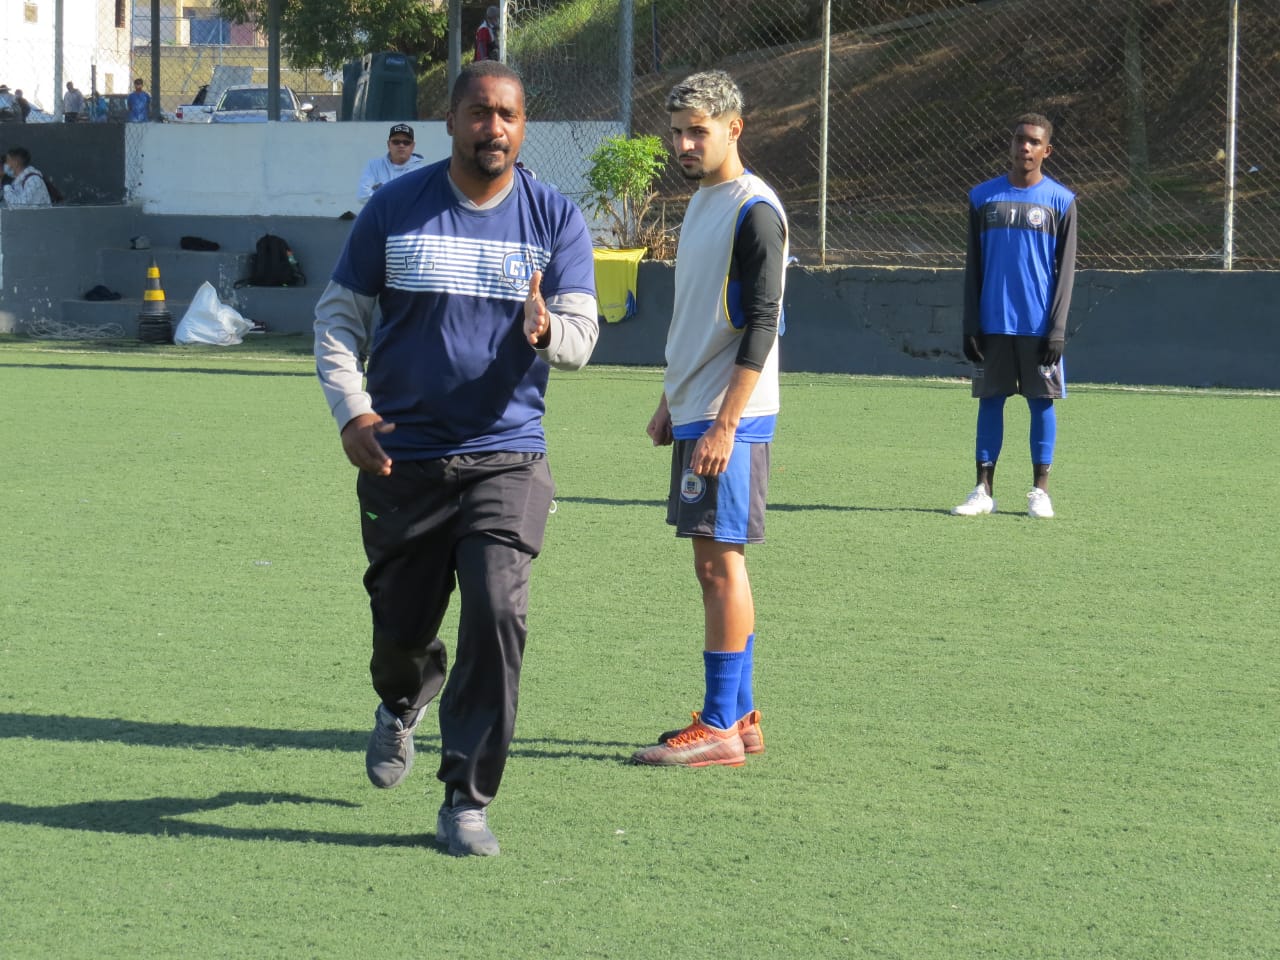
<point x="200" y="110"/>
<point x="197" y="111"/>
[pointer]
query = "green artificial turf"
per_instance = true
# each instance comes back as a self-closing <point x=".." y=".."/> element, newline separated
<point x="986" y="737"/>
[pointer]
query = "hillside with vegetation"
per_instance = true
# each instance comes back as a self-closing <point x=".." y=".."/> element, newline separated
<point x="920" y="96"/>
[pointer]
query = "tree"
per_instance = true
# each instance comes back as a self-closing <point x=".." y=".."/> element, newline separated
<point x="329" y="33"/>
<point x="621" y="175"/>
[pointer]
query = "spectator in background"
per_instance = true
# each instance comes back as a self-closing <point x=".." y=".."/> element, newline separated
<point x="1019" y="269"/>
<point x="72" y="104"/>
<point x="139" y="103"/>
<point x="27" y="188"/>
<point x="98" y="108"/>
<point x="397" y="161"/>
<point x="23" y="104"/>
<point x="9" y="110"/>
<point x="487" y="36"/>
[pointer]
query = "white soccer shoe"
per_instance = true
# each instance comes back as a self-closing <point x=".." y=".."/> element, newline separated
<point x="977" y="502"/>
<point x="1039" y="504"/>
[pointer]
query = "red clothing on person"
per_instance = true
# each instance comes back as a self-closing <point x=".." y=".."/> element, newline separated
<point x="486" y="42"/>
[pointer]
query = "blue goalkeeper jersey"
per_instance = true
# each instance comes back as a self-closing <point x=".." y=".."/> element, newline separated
<point x="1020" y="263"/>
<point x="450" y="365"/>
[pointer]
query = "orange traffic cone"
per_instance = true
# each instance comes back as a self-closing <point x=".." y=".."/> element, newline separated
<point x="155" y="323"/>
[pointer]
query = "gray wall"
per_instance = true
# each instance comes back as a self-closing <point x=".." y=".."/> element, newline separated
<point x="1189" y="328"/>
<point x="86" y="161"/>
<point x="1193" y="328"/>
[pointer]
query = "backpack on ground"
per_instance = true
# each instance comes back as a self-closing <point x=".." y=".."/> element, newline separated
<point x="274" y="265"/>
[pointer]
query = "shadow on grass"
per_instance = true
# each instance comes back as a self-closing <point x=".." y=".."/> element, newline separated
<point x="773" y="507"/>
<point x="161" y="817"/>
<point x="177" y="367"/>
<point x="140" y="733"/>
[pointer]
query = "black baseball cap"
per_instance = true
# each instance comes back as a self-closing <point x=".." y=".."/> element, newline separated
<point x="401" y="128"/>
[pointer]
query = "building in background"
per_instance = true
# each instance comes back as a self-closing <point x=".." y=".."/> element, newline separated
<point x="95" y="43"/>
<point x="195" y="40"/>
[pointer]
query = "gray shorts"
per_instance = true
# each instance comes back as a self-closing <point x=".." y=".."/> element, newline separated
<point x="1012" y="365"/>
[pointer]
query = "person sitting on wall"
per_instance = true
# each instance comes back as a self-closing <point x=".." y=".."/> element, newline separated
<point x="27" y="188"/>
<point x="396" y="162"/>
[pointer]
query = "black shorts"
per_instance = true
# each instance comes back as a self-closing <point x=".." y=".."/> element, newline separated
<point x="1012" y="365"/>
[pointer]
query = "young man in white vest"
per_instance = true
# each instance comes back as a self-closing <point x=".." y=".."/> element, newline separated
<point x="719" y="404"/>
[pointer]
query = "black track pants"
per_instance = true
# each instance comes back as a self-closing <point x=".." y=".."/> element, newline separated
<point x="476" y="521"/>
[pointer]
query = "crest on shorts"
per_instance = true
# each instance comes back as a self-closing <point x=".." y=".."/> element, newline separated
<point x="692" y="487"/>
<point x="1035" y="216"/>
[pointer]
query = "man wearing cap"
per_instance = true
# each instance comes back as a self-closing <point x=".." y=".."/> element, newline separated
<point x="396" y="162"/>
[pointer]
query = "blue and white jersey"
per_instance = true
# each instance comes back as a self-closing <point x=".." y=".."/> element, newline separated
<point x="449" y="364"/>
<point x="1021" y="258"/>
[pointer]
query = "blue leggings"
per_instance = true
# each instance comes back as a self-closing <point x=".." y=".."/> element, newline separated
<point x="1044" y="429"/>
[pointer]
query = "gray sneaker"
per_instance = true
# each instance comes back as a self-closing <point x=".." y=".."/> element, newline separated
<point x="389" y="756"/>
<point x="464" y="829"/>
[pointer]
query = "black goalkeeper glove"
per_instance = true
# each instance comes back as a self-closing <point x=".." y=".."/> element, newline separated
<point x="1051" y="352"/>
<point x="973" y="347"/>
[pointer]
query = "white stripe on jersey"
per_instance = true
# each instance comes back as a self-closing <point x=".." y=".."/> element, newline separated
<point x="464" y="266"/>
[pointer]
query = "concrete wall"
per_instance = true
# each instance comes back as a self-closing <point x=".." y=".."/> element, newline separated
<point x="1188" y="328"/>
<point x="257" y="169"/>
<point x="1194" y="328"/>
<point x="86" y="161"/>
<point x="1198" y="328"/>
<point x="311" y="169"/>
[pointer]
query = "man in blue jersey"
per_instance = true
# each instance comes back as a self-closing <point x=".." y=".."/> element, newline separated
<point x="719" y="404"/>
<point x="1019" y="271"/>
<point x="139" y="103"/>
<point x="485" y="280"/>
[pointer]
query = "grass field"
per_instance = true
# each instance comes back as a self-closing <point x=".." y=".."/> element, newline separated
<point x="989" y="737"/>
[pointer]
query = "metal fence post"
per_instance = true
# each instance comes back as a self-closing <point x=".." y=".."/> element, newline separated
<point x="626" y="58"/>
<point x="1229" y="194"/>
<point x="824" y="121"/>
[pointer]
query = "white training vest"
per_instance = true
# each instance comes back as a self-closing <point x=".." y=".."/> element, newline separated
<point x="702" y="343"/>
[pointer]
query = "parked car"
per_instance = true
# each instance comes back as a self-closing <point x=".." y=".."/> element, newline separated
<point x="111" y="107"/>
<point x="248" y="104"/>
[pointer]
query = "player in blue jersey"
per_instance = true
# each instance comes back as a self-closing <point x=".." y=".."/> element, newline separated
<point x="485" y="280"/>
<point x="1019" y="271"/>
<point x="719" y="404"/>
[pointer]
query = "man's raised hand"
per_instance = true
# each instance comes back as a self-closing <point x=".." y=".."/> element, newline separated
<point x="537" y="321"/>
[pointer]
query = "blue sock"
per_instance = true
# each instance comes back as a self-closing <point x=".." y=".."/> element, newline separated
<point x="723" y="669"/>
<point x="1044" y="429"/>
<point x="990" y="429"/>
<point x="746" y="703"/>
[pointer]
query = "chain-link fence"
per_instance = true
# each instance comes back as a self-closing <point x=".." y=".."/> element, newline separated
<point x="919" y="102"/>
<point x="107" y="44"/>
<point x="872" y="139"/>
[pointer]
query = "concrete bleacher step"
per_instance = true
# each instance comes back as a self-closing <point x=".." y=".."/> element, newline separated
<point x="181" y="271"/>
<point x="124" y="270"/>
<point x="96" y="314"/>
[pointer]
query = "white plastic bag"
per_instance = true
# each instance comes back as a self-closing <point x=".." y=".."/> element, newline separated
<point x="209" y="320"/>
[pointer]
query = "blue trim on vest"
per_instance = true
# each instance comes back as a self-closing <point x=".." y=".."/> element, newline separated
<point x="734" y="292"/>
<point x="750" y="429"/>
